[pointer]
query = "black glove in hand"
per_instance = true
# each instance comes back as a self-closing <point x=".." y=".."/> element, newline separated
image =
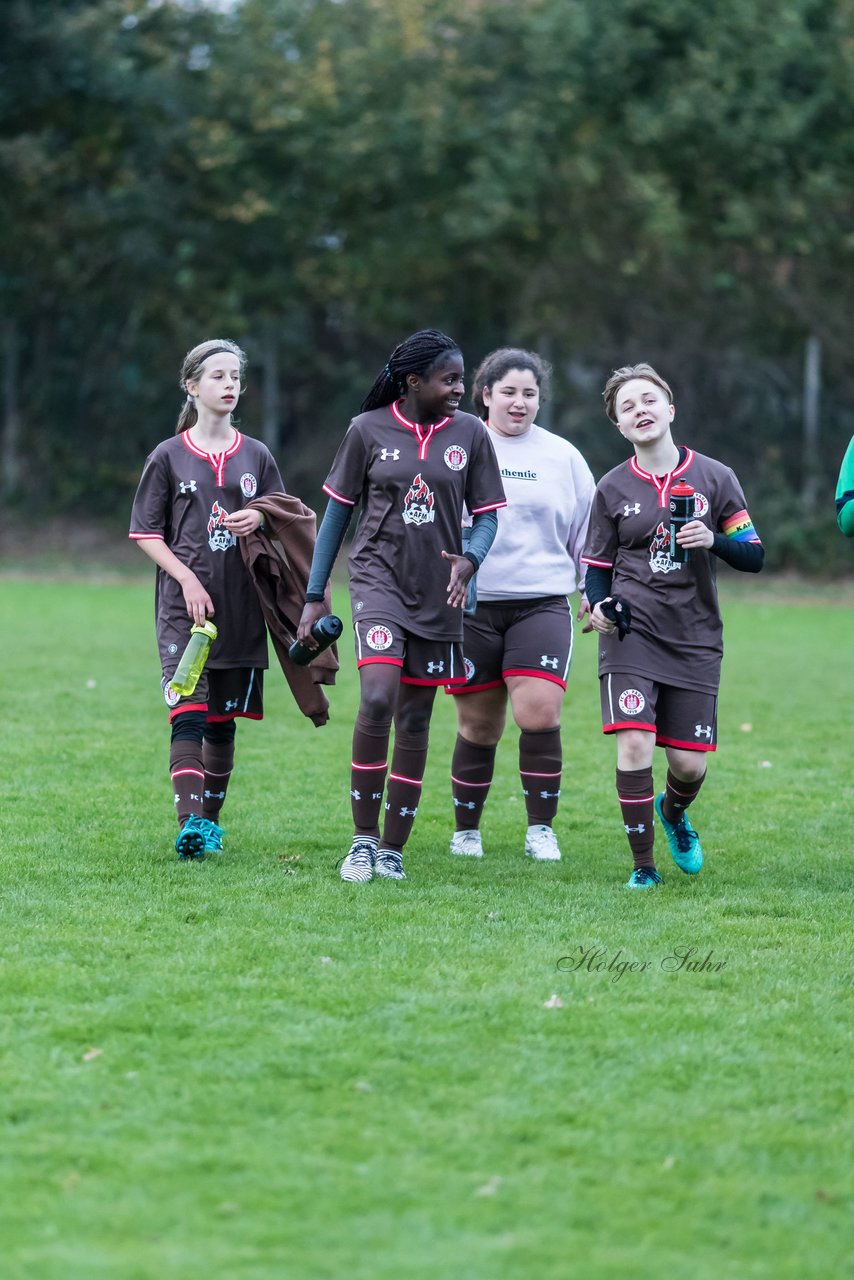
<point x="619" y="612"/>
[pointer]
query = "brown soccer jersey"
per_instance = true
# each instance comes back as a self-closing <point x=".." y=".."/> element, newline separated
<point x="182" y="498"/>
<point x="677" y="632"/>
<point x="412" y="481"/>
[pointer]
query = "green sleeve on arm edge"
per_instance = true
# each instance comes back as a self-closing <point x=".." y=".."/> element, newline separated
<point x="845" y="493"/>
<point x="330" y="535"/>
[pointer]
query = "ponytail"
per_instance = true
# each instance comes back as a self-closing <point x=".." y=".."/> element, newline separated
<point x="188" y="417"/>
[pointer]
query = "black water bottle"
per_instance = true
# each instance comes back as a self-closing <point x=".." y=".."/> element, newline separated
<point x="325" y="631"/>
<point x="681" y="511"/>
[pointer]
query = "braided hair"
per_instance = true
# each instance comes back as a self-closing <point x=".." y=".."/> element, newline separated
<point x="416" y="354"/>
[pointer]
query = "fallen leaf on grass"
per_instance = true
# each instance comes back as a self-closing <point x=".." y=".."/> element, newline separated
<point x="362" y="1086"/>
<point x="289" y="857"/>
<point x="92" y="1053"/>
<point x="668" y="1162"/>
<point x="489" y="1188"/>
<point x="554" y="1002"/>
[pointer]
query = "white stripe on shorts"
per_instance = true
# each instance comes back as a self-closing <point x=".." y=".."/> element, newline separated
<point x="571" y="641"/>
<point x="249" y="690"/>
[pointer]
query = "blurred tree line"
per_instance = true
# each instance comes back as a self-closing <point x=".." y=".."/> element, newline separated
<point x="604" y="180"/>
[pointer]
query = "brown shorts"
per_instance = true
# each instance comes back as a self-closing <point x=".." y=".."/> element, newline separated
<point x="223" y="693"/>
<point x="684" y="718"/>
<point x="517" y="638"/>
<point x="430" y="662"/>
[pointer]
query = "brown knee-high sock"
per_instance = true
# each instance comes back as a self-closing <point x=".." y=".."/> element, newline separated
<point x="188" y="777"/>
<point x="367" y="773"/>
<point x="219" y="762"/>
<point x="404" y="787"/>
<point x="540" y="767"/>
<point x="678" y="795"/>
<point x="636" y="794"/>
<point x="472" y="768"/>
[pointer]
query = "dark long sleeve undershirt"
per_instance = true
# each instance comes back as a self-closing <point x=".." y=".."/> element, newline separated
<point x="333" y="529"/>
<point x="747" y="557"/>
<point x="330" y="535"/>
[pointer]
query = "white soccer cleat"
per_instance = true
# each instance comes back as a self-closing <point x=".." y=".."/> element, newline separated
<point x="467" y="844"/>
<point x="389" y="865"/>
<point x="358" y="866"/>
<point x="541" y="844"/>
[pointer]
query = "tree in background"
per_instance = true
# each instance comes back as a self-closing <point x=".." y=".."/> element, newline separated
<point x="643" y="179"/>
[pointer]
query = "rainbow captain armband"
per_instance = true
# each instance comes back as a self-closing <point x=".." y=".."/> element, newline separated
<point x="740" y="528"/>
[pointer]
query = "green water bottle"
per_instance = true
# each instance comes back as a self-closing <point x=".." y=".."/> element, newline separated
<point x="193" y="659"/>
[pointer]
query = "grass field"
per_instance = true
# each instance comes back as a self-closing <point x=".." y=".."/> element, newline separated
<point x="245" y="1068"/>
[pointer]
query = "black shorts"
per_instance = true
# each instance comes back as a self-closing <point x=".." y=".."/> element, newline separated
<point x="517" y="638"/>
<point x="430" y="662"/>
<point x="223" y="693"/>
<point x="684" y="718"/>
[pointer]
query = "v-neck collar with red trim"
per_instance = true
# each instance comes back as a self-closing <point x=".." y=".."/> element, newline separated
<point x="217" y="460"/>
<point x="663" y="483"/>
<point x="423" y="434"/>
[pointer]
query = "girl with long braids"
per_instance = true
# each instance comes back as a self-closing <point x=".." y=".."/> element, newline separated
<point x="413" y="461"/>
<point x="189" y="510"/>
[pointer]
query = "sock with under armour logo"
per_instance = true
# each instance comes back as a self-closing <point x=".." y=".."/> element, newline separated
<point x="404" y="787"/>
<point x="540" y="767"/>
<point x="218" y="756"/>
<point x="678" y="795"/>
<point x="186" y="764"/>
<point x="472" y="768"/>
<point x="636" y="793"/>
<point x="367" y="774"/>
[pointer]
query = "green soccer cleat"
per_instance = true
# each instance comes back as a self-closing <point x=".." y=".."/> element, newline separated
<point x="684" y="842"/>
<point x="190" y="844"/>
<point x="643" y="878"/>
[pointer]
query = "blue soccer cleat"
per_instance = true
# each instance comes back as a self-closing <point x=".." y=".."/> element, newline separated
<point x="213" y="836"/>
<point x="643" y="878"/>
<point x="684" y="842"/>
<point x="192" y="839"/>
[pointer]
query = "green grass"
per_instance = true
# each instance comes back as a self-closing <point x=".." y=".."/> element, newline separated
<point x="245" y="1068"/>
